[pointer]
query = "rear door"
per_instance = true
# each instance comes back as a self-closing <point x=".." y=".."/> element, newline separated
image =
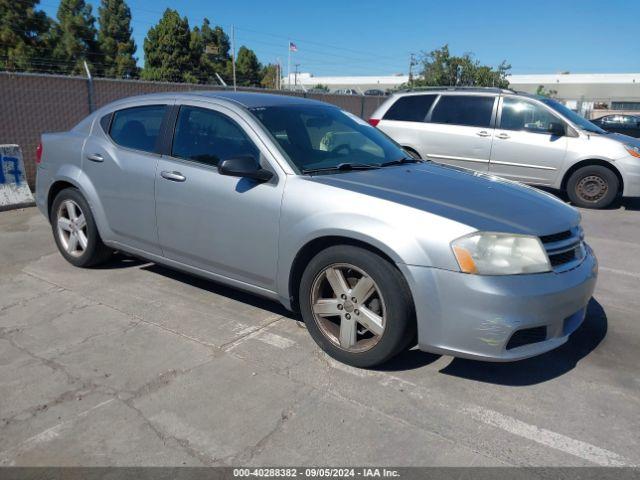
<point x="523" y="148"/>
<point x="405" y="122"/>
<point x="461" y="130"/>
<point x="120" y="159"/>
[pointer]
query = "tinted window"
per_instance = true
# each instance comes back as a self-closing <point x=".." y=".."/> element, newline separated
<point x="412" y="108"/>
<point x="137" y="127"/>
<point x="324" y="137"/>
<point x="468" y="110"/>
<point x="519" y="114"/>
<point x="208" y="136"/>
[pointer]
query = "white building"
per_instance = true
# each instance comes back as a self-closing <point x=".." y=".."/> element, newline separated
<point x="580" y="91"/>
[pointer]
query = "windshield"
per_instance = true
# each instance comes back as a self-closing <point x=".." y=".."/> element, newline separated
<point x="325" y="137"/>
<point x="578" y="120"/>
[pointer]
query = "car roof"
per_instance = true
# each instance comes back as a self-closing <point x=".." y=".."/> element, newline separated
<point x="245" y="99"/>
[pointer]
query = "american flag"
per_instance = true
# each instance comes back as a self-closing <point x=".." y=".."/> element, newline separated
<point x="293" y="47"/>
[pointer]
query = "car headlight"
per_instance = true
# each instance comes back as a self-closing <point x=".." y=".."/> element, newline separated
<point x="633" y="150"/>
<point x="487" y="253"/>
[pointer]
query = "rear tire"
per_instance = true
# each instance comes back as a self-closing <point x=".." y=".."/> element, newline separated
<point x="75" y="231"/>
<point x="593" y="186"/>
<point x="362" y="332"/>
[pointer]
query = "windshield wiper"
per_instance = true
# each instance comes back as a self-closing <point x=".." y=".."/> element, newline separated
<point x="341" y="167"/>
<point x="400" y="161"/>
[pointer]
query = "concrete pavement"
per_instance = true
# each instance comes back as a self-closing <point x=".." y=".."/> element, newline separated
<point x="135" y="364"/>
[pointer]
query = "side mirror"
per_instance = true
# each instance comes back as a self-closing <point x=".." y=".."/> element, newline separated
<point x="557" y="129"/>
<point x="246" y="167"/>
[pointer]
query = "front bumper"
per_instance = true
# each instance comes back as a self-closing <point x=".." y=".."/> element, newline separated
<point x="475" y="316"/>
<point x="630" y="169"/>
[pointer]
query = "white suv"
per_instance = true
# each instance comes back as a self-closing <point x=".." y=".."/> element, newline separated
<point x="531" y="139"/>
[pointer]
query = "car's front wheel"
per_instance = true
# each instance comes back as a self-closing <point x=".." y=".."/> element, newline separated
<point x="357" y="306"/>
<point x="75" y="231"/>
<point x="593" y="186"/>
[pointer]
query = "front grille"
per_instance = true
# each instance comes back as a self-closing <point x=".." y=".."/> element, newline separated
<point x="527" y="336"/>
<point x="563" y="248"/>
<point x="556" y="237"/>
<point x="562" y="258"/>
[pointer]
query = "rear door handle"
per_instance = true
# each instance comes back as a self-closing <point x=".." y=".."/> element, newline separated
<point x="173" y="176"/>
<point x="483" y="133"/>
<point x="502" y="136"/>
<point x="95" y="157"/>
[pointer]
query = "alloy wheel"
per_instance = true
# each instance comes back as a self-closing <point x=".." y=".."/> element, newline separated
<point x="348" y="307"/>
<point x="72" y="228"/>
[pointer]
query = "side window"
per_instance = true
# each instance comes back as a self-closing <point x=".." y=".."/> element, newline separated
<point x="208" y="136"/>
<point x="518" y="114"/>
<point x="469" y="110"/>
<point x="412" y="108"/>
<point x="137" y="127"/>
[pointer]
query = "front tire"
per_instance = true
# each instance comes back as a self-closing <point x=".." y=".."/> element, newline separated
<point x="75" y="231"/>
<point x="593" y="186"/>
<point x="357" y="306"/>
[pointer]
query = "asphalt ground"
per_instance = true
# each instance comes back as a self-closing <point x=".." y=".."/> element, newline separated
<point x="136" y="364"/>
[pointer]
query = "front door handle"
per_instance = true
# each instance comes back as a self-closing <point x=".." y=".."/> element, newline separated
<point x="502" y="136"/>
<point x="95" y="157"/>
<point x="483" y="133"/>
<point x="173" y="176"/>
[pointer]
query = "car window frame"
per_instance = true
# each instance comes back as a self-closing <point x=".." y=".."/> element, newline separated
<point x="265" y="157"/>
<point x="157" y="147"/>
<point x="566" y="124"/>
<point x="494" y="110"/>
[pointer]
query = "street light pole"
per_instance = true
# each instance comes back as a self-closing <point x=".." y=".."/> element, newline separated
<point x="233" y="56"/>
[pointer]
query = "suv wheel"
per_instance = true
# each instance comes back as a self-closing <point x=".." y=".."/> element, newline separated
<point x="75" y="231"/>
<point x="593" y="186"/>
<point x="357" y="306"/>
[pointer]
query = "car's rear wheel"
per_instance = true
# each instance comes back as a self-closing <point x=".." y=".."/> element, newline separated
<point x="593" y="186"/>
<point x="356" y="305"/>
<point x="75" y="231"/>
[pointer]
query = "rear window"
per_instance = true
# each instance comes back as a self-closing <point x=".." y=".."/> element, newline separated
<point x="137" y="127"/>
<point x="412" y="108"/>
<point x="469" y="110"/>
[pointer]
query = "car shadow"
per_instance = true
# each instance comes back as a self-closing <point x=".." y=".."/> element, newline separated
<point x="120" y="260"/>
<point x="541" y="368"/>
<point x="219" y="289"/>
<point x="628" y="203"/>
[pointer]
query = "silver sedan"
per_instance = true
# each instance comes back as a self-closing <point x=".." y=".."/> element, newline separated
<point x="300" y="202"/>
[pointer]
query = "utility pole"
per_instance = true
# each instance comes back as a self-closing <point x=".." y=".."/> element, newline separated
<point x="412" y="63"/>
<point x="233" y="56"/>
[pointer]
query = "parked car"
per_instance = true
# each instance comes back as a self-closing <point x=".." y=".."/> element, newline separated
<point x="625" y="124"/>
<point x="531" y="139"/>
<point x="297" y="201"/>
<point x="374" y="92"/>
<point x="346" y="91"/>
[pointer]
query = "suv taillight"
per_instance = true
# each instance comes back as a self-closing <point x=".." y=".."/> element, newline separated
<point x="374" y="122"/>
<point x="39" y="152"/>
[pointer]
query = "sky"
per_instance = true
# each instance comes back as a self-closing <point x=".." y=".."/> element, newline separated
<point x="353" y="37"/>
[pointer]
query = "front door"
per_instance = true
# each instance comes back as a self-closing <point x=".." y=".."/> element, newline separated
<point x="461" y="131"/>
<point x="120" y="158"/>
<point x="220" y="224"/>
<point x="523" y="147"/>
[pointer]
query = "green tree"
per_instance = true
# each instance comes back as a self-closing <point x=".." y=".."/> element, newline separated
<point x="247" y="68"/>
<point x="211" y="46"/>
<point x="168" y="54"/>
<point x="440" y="68"/>
<point x="320" y="86"/>
<point x="114" y="39"/>
<point x="543" y="92"/>
<point x="269" y="76"/>
<point x="74" y="38"/>
<point x="23" y="40"/>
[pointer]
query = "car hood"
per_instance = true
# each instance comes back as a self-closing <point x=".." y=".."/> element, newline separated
<point x="481" y="201"/>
